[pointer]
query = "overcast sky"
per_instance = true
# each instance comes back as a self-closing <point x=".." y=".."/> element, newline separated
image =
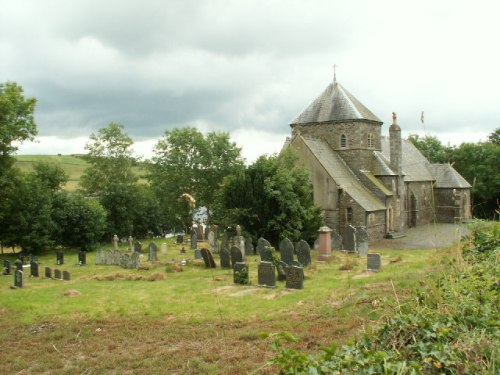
<point x="249" y="67"/>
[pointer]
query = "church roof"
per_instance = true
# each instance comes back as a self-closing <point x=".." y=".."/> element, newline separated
<point x="342" y="175"/>
<point x="447" y="177"/>
<point x="335" y="104"/>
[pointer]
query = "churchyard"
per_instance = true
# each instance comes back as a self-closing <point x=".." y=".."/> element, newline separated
<point x="173" y="313"/>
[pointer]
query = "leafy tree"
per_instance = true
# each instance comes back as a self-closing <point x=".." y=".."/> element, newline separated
<point x="270" y="198"/>
<point x="432" y="148"/>
<point x="17" y="122"/>
<point x="80" y="220"/>
<point x="495" y="137"/>
<point x="52" y="175"/>
<point x="187" y="162"/>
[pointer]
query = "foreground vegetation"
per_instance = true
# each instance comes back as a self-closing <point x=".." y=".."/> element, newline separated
<point x="451" y="327"/>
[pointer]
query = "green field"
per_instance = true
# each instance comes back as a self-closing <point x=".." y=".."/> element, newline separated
<point x="73" y="165"/>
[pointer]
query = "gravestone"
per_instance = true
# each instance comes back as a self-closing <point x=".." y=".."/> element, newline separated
<point x="135" y="260"/>
<point x="34" y="269"/>
<point x="130" y="241"/>
<point x="286" y="251"/>
<point x="19" y="264"/>
<point x="66" y="275"/>
<point x="349" y="243"/>
<point x="208" y="258"/>
<point x="200" y="235"/>
<point x="336" y="241"/>
<point x="6" y="267"/>
<point x="153" y="250"/>
<point x="374" y="262"/>
<point x="282" y="267"/>
<point x="125" y="261"/>
<point x="211" y="239"/>
<point x="180" y="239"/>
<point x="193" y="238"/>
<point x="59" y="258"/>
<point x="236" y="255"/>
<point x="266" y="254"/>
<point x="48" y="272"/>
<point x="18" y="279"/>
<point x="249" y="249"/>
<point x="109" y="257"/>
<point x="82" y="258"/>
<point x="117" y="257"/>
<point x="261" y="244"/>
<point x="115" y="242"/>
<point x="303" y="253"/>
<point x="240" y="273"/>
<point x="295" y="277"/>
<point x="225" y="258"/>
<point x="267" y="274"/>
<point x="57" y="274"/>
<point x="197" y="254"/>
<point x="362" y="241"/>
<point x="239" y="242"/>
<point x="207" y="231"/>
<point x="100" y="257"/>
<point x="138" y="247"/>
<point x="163" y="248"/>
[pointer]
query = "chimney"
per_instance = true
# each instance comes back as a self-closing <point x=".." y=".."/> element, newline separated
<point x="395" y="145"/>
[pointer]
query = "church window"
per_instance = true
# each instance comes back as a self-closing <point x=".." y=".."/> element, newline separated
<point x="348" y="215"/>
<point x="370" y="140"/>
<point x="343" y="141"/>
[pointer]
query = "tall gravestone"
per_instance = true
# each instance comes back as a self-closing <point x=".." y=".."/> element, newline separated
<point x="18" y="279"/>
<point x="6" y="267"/>
<point x="59" y="258"/>
<point x="115" y="241"/>
<point x="208" y="258"/>
<point x="336" y="241"/>
<point x="194" y="238"/>
<point x="303" y="253"/>
<point x="180" y="239"/>
<point x="82" y="258"/>
<point x="266" y="254"/>
<point x="225" y="257"/>
<point x="286" y="251"/>
<point x="153" y="251"/>
<point x="130" y="242"/>
<point x="19" y="264"/>
<point x="100" y="258"/>
<point x="240" y="273"/>
<point x="362" y="241"/>
<point x="200" y="233"/>
<point x="374" y="262"/>
<point x="109" y="257"/>
<point x="236" y="255"/>
<point x="48" y="272"/>
<point x="295" y="277"/>
<point x="34" y="269"/>
<point x="135" y="260"/>
<point x="349" y="242"/>
<point x="324" y="244"/>
<point x="266" y="274"/>
<point x="57" y="274"/>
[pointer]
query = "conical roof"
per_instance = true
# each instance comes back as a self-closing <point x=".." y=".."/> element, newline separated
<point x="335" y="104"/>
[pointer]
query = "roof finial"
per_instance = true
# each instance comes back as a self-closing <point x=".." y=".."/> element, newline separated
<point x="334" y="73"/>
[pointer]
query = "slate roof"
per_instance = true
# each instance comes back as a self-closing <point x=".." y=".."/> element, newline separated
<point x="342" y="175"/>
<point x="335" y="104"/>
<point x="447" y="177"/>
<point x="415" y="166"/>
<point x="380" y="165"/>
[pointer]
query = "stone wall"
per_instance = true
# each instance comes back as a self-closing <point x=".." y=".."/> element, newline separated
<point x="418" y="205"/>
<point x="452" y="205"/>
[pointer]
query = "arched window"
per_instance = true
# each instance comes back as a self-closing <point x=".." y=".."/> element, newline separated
<point x="343" y="141"/>
<point x="370" y="140"/>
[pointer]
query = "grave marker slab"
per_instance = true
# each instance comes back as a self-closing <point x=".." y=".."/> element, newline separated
<point x="295" y="277"/>
<point x="48" y="272"/>
<point x="374" y="262"/>
<point x="362" y="241"/>
<point x="59" y="258"/>
<point x="336" y="241"/>
<point x="100" y="257"/>
<point x="153" y="250"/>
<point x="34" y="269"/>
<point x="197" y="254"/>
<point x="138" y="247"/>
<point x="286" y="251"/>
<point x="18" y="279"/>
<point x="57" y="274"/>
<point x="194" y="238"/>
<point x="266" y="274"/>
<point x="303" y="253"/>
<point x="125" y="261"/>
<point x="19" y="264"/>
<point x="117" y="257"/>
<point x="208" y="258"/>
<point x="225" y="258"/>
<point x="180" y="239"/>
<point x="109" y="257"/>
<point x="66" y="276"/>
<point x="349" y="243"/>
<point x="6" y="267"/>
<point x="240" y="273"/>
<point x="135" y="260"/>
<point x="236" y="255"/>
<point x="163" y="248"/>
<point x="249" y="249"/>
<point x="82" y="258"/>
<point x="282" y="267"/>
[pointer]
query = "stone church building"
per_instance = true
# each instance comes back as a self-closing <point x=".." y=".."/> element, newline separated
<point x="365" y="179"/>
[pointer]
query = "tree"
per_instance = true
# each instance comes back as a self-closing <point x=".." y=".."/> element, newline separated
<point x="270" y="198"/>
<point x="187" y="162"/>
<point x="432" y="148"/>
<point x="52" y="175"/>
<point x="494" y="137"/>
<point x="80" y="220"/>
<point x="17" y="122"/>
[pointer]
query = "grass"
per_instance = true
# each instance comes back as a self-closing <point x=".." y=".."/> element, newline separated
<point x="191" y="322"/>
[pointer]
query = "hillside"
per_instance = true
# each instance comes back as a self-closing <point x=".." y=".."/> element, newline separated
<point x="73" y="165"/>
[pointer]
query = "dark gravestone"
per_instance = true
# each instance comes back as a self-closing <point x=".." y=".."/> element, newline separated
<point x="286" y="251"/>
<point x="59" y="258"/>
<point x="34" y="269"/>
<point x="200" y="234"/>
<point x="19" y="264"/>
<point x="180" y="239"/>
<point x="82" y="258"/>
<point x="6" y="267"/>
<point x="208" y="258"/>
<point x="349" y="242"/>
<point x="362" y="241"/>
<point x="66" y="276"/>
<point x="153" y="252"/>
<point x="304" y="253"/>
<point x="236" y="255"/>
<point x="194" y="238"/>
<point x="336" y="241"/>
<point x="48" y="272"/>
<point x="18" y="279"/>
<point x="295" y="277"/>
<point x="240" y="273"/>
<point x="197" y="254"/>
<point x="261" y="244"/>
<point x="282" y="267"/>
<point x="267" y="274"/>
<point x="267" y="254"/>
<point x="137" y="247"/>
<point x="225" y="258"/>
<point x="207" y="231"/>
<point x="57" y="274"/>
<point x="249" y="250"/>
<point x="374" y="262"/>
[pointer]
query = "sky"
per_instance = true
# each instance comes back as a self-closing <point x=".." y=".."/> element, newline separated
<point x="248" y="67"/>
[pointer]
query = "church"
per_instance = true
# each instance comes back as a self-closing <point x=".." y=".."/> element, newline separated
<point x="364" y="179"/>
